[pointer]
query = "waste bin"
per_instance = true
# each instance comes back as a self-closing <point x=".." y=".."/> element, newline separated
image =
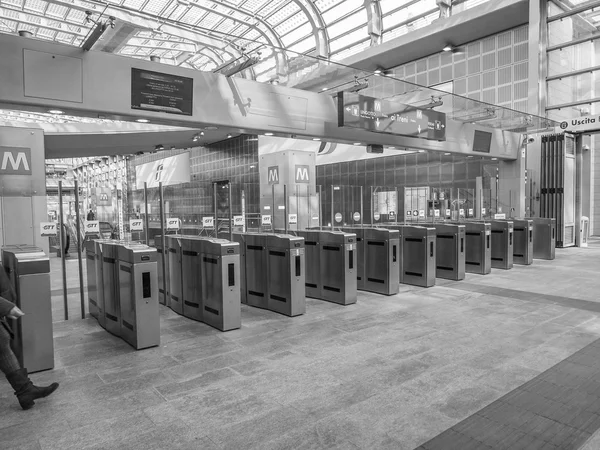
<point x="286" y="274"/>
<point x="138" y="295"/>
<point x="28" y="269"/>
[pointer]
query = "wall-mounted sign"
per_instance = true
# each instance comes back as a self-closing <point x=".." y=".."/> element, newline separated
<point x="376" y="216"/>
<point x="409" y="213"/>
<point x="461" y="212"/>
<point x="92" y="227"/>
<point x="15" y="161"/>
<point x="499" y="216"/>
<point x="173" y="223"/>
<point x="238" y="221"/>
<point x="470" y="211"/>
<point x="389" y="116"/>
<point x="273" y="175"/>
<point x="48" y="229"/>
<point x="416" y="213"/>
<point x="483" y="211"/>
<point x="580" y="124"/>
<point x="301" y="174"/>
<point x="421" y="213"/>
<point x="338" y="217"/>
<point x="136" y="225"/>
<point x="161" y="92"/>
<point x="208" y="222"/>
<point x="356" y="216"/>
<point x="266" y="219"/>
<point x="293" y="219"/>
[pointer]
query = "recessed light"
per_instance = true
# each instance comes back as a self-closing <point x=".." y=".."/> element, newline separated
<point x="357" y="143"/>
<point x="446" y="154"/>
<point x="447" y="48"/>
<point x="268" y="134"/>
<point x="316" y="139"/>
<point x="172" y="147"/>
<point x="55" y="111"/>
<point x="377" y="72"/>
<point x="494" y="159"/>
<point x="159" y="147"/>
<point x="142" y="120"/>
<point x="229" y="136"/>
<point x="324" y="89"/>
<point x="421" y="151"/>
<point x="470" y="156"/>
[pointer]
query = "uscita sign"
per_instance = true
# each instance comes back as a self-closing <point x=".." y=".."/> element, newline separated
<point x="581" y="124"/>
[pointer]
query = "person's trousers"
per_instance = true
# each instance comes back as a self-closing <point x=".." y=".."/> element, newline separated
<point x="8" y="360"/>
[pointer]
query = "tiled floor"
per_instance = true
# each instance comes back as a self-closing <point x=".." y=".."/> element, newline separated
<point x="388" y="372"/>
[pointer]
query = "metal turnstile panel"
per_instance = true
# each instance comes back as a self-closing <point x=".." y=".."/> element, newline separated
<point x="312" y="255"/>
<point x="502" y="244"/>
<point x="418" y="254"/>
<point x="450" y="251"/>
<point x="478" y="255"/>
<point x="240" y="239"/>
<point x="98" y="248"/>
<point x="256" y="270"/>
<point x="191" y="293"/>
<point x="360" y="255"/>
<point x="544" y="238"/>
<point x="286" y="275"/>
<point x="163" y="277"/>
<point x="138" y="295"/>
<point x="90" y="265"/>
<point x="382" y="255"/>
<point x="28" y="269"/>
<point x="338" y="267"/>
<point x="173" y="244"/>
<point x="221" y="284"/>
<point x="112" y="310"/>
<point x="522" y="241"/>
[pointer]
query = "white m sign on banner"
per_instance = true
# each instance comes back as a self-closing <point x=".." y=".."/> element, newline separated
<point x="302" y="174"/>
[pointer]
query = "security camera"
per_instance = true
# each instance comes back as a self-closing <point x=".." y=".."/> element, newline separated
<point x="530" y="140"/>
<point x="585" y="148"/>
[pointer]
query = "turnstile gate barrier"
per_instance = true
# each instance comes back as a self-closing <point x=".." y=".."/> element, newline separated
<point x="163" y="277"/>
<point x="478" y="255"/>
<point x="338" y="266"/>
<point x="544" y="238"/>
<point x="381" y="260"/>
<point x="312" y="255"/>
<point x="522" y="241"/>
<point x="220" y="281"/>
<point x="502" y="244"/>
<point x="256" y="269"/>
<point x="90" y="264"/>
<point x="240" y="239"/>
<point x="138" y="295"/>
<point x="418" y="255"/>
<point x="191" y="293"/>
<point x="360" y="255"/>
<point x="286" y="275"/>
<point x="28" y="269"/>
<point x="110" y="281"/>
<point x="173" y="247"/>
<point x="450" y="251"/>
<point x="98" y="249"/>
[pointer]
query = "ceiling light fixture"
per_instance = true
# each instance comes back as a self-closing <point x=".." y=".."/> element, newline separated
<point x="142" y="120"/>
<point x="55" y="111"/>
<point x="357" y="143"/>
<point x="268" y="134"/>
<point x="229" y="136"/>
<point x="448" y="48"/>
<point x="316" y="139"/>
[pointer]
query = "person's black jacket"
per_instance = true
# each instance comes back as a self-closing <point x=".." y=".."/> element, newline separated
<point x="8" y="298"/>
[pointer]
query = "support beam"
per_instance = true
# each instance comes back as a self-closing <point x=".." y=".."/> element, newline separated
<point x="375" y="21"/>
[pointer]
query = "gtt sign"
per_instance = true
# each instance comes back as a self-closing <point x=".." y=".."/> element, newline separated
<point x="15" y="161"/>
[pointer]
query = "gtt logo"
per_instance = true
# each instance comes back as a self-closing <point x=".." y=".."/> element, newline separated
<point x="273" y="175"/>
<point x="302" y="174"/>
<point x="158" y="175"/>
<point x="15" y="161"/>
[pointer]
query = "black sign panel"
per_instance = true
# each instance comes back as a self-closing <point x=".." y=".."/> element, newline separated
<point x="482" y="141"/>
<point x="388" y="116"/>
<point x="161" y="92"/>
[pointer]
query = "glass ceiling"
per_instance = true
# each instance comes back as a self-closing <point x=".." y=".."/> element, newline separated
<point x="37" y="117"/>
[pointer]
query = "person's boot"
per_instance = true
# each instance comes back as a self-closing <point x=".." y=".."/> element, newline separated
<point x="25" y="390"/>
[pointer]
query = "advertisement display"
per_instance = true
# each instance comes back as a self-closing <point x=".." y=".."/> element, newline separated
<point x="169" y="171"/>
<point x="163" y="92"/>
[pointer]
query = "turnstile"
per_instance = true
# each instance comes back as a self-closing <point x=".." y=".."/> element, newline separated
<point x="220" y="281"/>
<point x="338" y="267"/>
<point x="98" y="249"/>
<point x="544" y="238"/>
<point x="240" y="239"/>
<point x="28" y="269"/>
<point x="110" y="281"/>
<point x="90" y="264"/>
<point x="173" y="247"/>
<point x="478" y="255"/>
<point x="360" y="255"/>
<point x="256" y="269"/>
<point x="138" y="295"/>
<point x="502" y="244"/>
<point x="163" y="277"/>
<point x="418" y="255"/>
<point x="312" y="258"/>
<point x="381" y="260"/>
<point x="286" y="275"/>
<point x="191" y="293"/>
<point x="450" y="251"/>
<point x="522" y="241"/>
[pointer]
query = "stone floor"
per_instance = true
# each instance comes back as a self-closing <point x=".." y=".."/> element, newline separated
<point x="388" y="372"/>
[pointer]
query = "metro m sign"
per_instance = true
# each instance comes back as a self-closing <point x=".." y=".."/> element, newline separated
<point x="301" y="174"/>
<point x="15" y="161"/>
<point x="273" y="175"/>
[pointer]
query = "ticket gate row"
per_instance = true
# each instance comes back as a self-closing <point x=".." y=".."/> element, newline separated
<point x="123" y="290"/>
<point x="273" y="274"/>
<point x="204" y="279"/>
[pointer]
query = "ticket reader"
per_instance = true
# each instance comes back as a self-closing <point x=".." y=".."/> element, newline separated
<point x="523" y="241"/>
<point x="90" y="264"/>
<point x="191" y="298"/>
<point x="450" y="251"/>
<point x="382" y="255"/>
<point x="173" y="247"/>
<point x="544" y="238"/>
<point x="138" y="295"/>
<point x="163" y="283"/>
<point x="286" y="275"/>
<point x="110" y="281"/>
<point x="28" y="269"/>
<point x="256" y="269"/>
<point x="502" y="244"/>
<point x="338" y="267"/>
<point x="220" y="280"/>
<point x="360" y="255"/>
<point x="312" y="255"/>
<point x="478" y="256"/>
<point x="418" y="253"/>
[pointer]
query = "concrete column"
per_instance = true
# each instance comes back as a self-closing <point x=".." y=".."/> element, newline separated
<point x="511" y="186"/>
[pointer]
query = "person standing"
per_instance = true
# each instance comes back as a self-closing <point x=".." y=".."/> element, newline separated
<point x="91" y="215"/>
<point x="16" y="375"/>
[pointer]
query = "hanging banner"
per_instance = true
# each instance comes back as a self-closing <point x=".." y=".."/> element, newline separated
<point x="168" y="171"/>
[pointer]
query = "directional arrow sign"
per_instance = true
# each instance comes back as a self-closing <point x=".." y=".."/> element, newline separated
<point x="389" y="116"/>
